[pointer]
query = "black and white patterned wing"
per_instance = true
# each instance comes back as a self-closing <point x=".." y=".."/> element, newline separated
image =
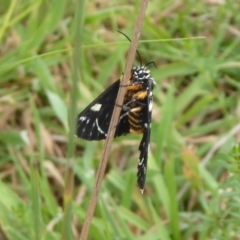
<point x="93" y="122"/>
<point x="145" y="142"/>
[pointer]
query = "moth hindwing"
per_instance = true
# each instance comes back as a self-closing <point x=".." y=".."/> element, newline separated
<point x="135" y="117"/>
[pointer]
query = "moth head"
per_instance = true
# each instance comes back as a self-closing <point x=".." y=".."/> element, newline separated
<point x="141" y="74"/>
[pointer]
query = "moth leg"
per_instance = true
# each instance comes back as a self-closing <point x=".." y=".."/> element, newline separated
<point x="121" y="85"/>
<point x="118" y="105"/>
<point x="125" y="106"/>
<point x="122" y="116"/>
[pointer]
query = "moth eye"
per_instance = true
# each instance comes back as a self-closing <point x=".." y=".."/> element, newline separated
<point x="141" y="75"/>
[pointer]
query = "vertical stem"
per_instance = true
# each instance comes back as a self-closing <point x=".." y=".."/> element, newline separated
<point x="113" y="123"/>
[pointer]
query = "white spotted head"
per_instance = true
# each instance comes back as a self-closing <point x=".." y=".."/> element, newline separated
<point x="142" y="75"/>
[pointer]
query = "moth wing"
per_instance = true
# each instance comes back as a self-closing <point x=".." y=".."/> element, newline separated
<point x="145" y="142"/>
<point x="93" y="122"/>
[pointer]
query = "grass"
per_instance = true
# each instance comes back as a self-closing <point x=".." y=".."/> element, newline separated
<point x="192" y="189"/>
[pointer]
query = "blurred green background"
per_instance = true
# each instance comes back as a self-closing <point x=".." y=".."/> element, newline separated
<point x="192" y="187"/>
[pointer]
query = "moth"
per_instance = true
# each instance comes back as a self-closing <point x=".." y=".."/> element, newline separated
<point x="135" y="117"/>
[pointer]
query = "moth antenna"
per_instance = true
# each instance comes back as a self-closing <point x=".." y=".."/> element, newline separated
<point x="151" y="63"/>
<point x="140" y="59"/>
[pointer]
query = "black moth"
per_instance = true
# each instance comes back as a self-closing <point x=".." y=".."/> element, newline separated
<point x="135" y="117"/>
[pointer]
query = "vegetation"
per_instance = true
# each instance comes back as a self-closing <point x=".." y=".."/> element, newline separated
<point x="192" y="189"/>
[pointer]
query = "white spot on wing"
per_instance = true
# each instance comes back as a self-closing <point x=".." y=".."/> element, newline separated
<point x="82" y="119"/>
<point x="99" y="129"/>
<point x="150" y="106"/>
<point x="140" y="162"/>
<point x="96" y="107"/>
